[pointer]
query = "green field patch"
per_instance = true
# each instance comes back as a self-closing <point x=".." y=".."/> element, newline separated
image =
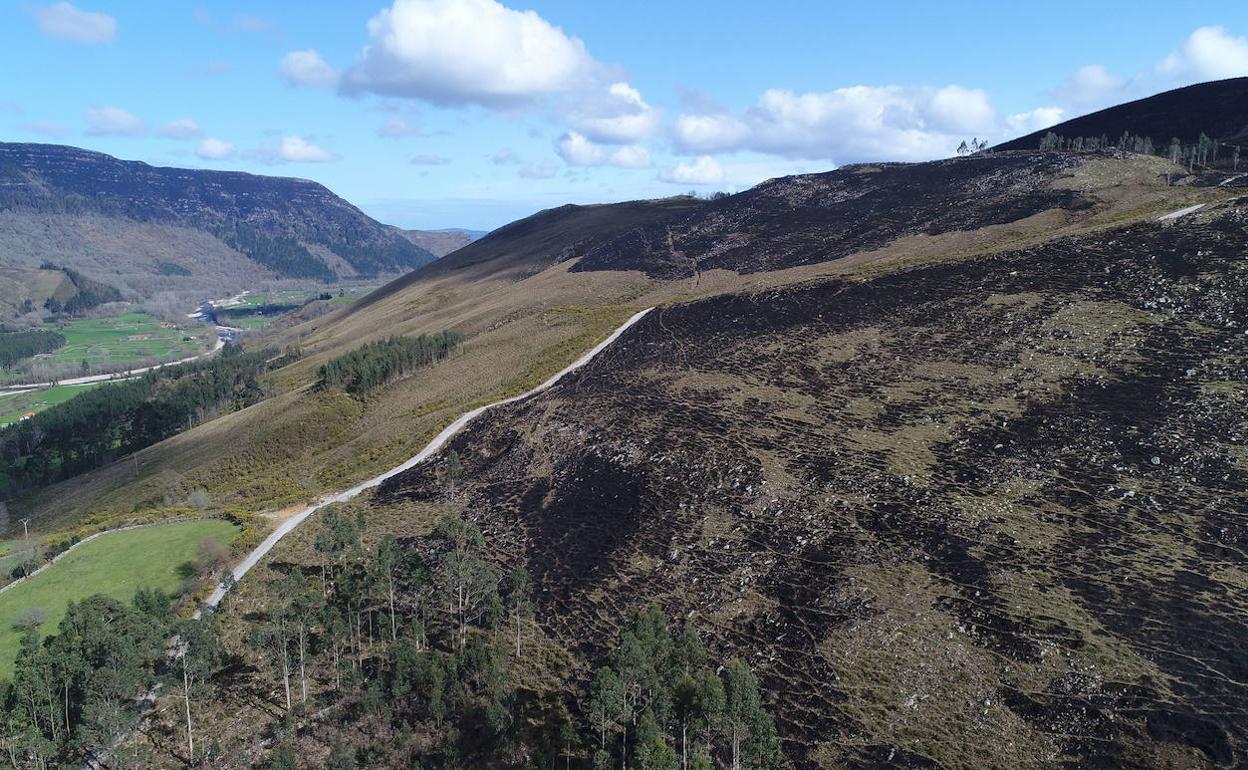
<point x="115" y="564"/>
<point x="252" y="321"/>
<point x="132" y="337"/>
<point x="14" y="405"/>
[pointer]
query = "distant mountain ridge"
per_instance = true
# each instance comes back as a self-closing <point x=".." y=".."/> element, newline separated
<point x="294" y="228"/>
<point x="442" y="242"/>
<point x="1218" y="109"/>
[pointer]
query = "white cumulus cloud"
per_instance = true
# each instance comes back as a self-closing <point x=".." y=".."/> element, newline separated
<point x="709" y="133"/>
<point x="296" y="149"/>
<point x="956" y="109"/>
<point x="577" y="150"/>
<point x="847" y="124"/>
<point x="702" y="170"/>
<point x="113" y="121"/>
<point x="182" y="128"/>
<point x="214" y="149"/>
<point x="467" y="52"/>
<point x="65" y="21"/>
<point x="630" y="156"/>
<point x="618" y="115"/>
<point x="307" y="68"/>
<point x="1023" y="123"/>
<point x="1209" y="53"/>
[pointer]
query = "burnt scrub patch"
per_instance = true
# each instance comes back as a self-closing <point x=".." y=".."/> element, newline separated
<point x="972" y="514"/>
<point x="802" y="220"/>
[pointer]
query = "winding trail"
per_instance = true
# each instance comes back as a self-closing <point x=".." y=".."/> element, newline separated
<point x="287" y="526"/>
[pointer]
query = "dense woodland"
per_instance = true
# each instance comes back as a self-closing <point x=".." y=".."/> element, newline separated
<point x="99" y="425"/>
<point x="283" y="254"/>
<point x="375" y="364"/>
<point x="14" y="346"/>
<point x="90" y="293"/>
<point x="426" y="655"/>
<point x="76" y="694"/>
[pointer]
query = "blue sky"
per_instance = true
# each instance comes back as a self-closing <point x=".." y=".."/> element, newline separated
<point x="440" y="113"/>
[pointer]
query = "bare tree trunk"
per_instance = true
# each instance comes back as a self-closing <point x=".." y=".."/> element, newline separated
<point x="394" y="632"/>
<point x="684" y="746"/>
<point x="286" y="672"/>
<point x="52" y="720"/>
<point x="303" y="675"/>
<point x="186" y="694"/>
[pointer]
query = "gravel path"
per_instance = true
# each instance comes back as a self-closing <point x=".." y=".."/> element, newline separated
<point x="287" y="526"/>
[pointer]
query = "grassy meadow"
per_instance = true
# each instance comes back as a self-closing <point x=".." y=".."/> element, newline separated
<point x="131" y="337"/>
<point x="115" y="564"/>
<point x="14" y="405"/>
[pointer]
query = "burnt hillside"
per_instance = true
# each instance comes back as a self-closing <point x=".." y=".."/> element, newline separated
<point x="536" y="242"/>
<point x="810" y="218"/>
<point x="1218" y="109"/>
<point x="988" y="513"/>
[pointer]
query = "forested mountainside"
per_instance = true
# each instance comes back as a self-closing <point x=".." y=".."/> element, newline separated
<point x="93" y="212"/>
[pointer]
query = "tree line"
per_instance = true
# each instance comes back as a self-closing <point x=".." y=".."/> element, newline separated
<point x="425" y="656"/>
<point x="99" y="425"/>
<point x="431" y="649"/>
<point x="375" y="364"/>
<point x="14" y="346"/>
<point x="1205" y="151"/>
<point x="77" y="694"/>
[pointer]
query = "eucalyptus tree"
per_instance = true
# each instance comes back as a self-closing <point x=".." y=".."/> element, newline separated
<point x="197" y="650"/>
